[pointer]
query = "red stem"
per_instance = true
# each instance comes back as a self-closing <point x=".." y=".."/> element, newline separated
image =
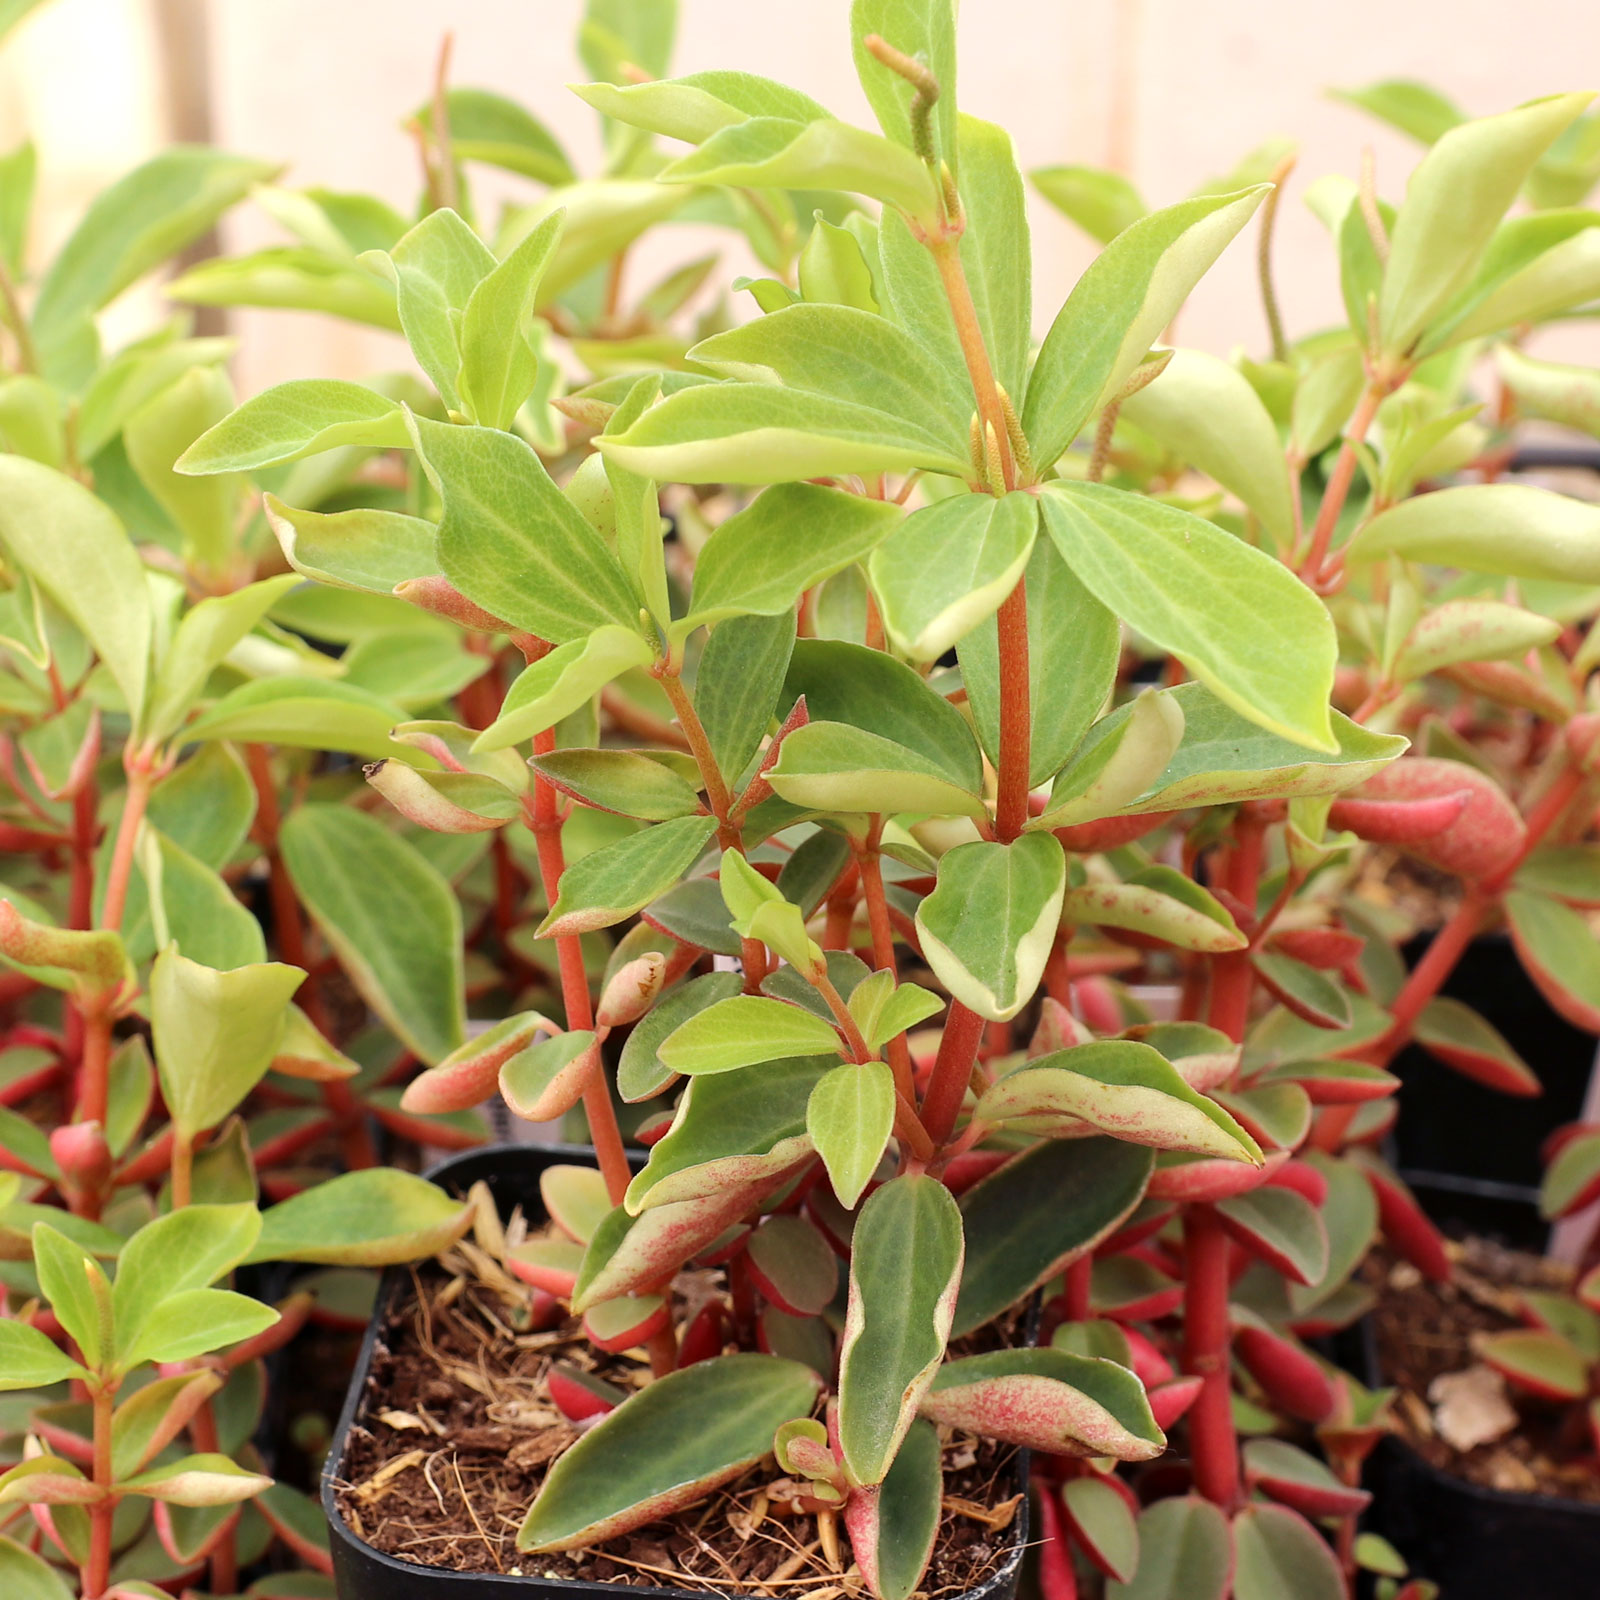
<point x="96" y="1572"/>
<point x="1011" y="803"/>
<point x="1205" y="1355"/>
<point x="1344" y="470"/>
<point x="1078" y="1276"/>
<point x="883" y="957"/>
<point x="952" y="1071"/>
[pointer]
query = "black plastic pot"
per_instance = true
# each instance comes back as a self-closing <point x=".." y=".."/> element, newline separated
<point x="364" y="1573"/>
<point x="1477" y="1543"/>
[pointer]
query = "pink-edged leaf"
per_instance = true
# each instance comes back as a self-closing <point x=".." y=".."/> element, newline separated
<point x="802" y="1450"/>
<point x="666" y="1447"/>
<point x="1057" y="1577"/>
<point x="1148" y="1363"/>
<point x="1572" y="1180"/>
<point x="1350" y="1214"/>
<point x="905" y="1268"/>
<point x="1108" y="833"/>
<point x="1561" y="1313"/>
<point x="576" y="1199"/>
<point x="450" y="1130"/>
<point x="1589" y="1289"/>
<point x="1304" y="1179"/>
<point x="1332" y="1083"/>
<point x="1542" y="1363"/>
<point x="1310" y="994"/>
<point x="546" y="1080"/>
<point x="1456" y="1035"/>
<point x="548" y="1264"/>
<point x="793" y="1265"/>
<point x="444" y="802"/>
<point x="1128" y="1288"/>
<point x="1402" y="822"/>
<point x="1205" y="1058"/>
<point x="1402" y="1220"/>
<point x="1183" y="1177"/>
<point x="808" y="1340"/>
<point x="1558" y="950"/>
<point x="1484" y="839"/>
<point x="469" y="1074"/>
<point x="579" y="1395"/>
<point x="1292" y="1377"/>
<point x="1047" y="1400"/>
<point x="1103" y="1525"/>
<point x="199" y="1480"/>
<point x="1277" y="1115"/>
<point x="1280" y="1227"/>
<point x="1185" y="1553"/>
<point x="705" y="1336"/>
<point x="1301" y="1481"/>
<point x="48" y="1481"/>
<point x="1169" y="1401"/>
<point x="629" y="1320"/>
<point x="892" y="1525"/>
<point x="1280" y="1555"/>
<point x="1331" y="949"/>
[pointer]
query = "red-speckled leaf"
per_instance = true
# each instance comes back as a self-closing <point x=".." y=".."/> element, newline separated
<point x="1483" y="840"/>
<point x="1179" y="1176"/>
<point x="629" y="1320"/>
<point x="1313" y="996"/>
<point x="1047" y="1400"/>
<point x="548" y="1264"/>
<point x="1120" y="1087"/>
<point x="1185" y="1553"/>
<point x="666" y="1447"/>
<point x="1281" y="1228"/>
<point x="469" y="1074"/>
<point x="547" y="1079"/>
<point x="1103" y="1525"/>
<point x="576" y="1199"/>
<point x="1169" y="1401"/>
<point x="1301" y="1481"/>
<point x="905" y="1268"/>
<point x="1332" y="1083"/>
<point x="1040" y="1212"/>
<point x="1559" y="952"/>
<point x="1281" y="1555"/>
<point x="1194" y="922"/>
<point x="1543" y="1363"/>
<point x="1459" y="1037"/>
<point x="1131" y="1289"/>
<point x="1572" y="1180"/>
<point x="892" y="1526"/>
<point x="793" y="1265"/>
<point x="1205" y="1058"/>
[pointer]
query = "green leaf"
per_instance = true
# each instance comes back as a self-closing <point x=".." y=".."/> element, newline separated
<point x="28" y="1359"/>
<point x="694" y="913"/>
<point x="1073" y="647"/>
<point x="1100" y="201"/>
<point x="995" y="249"/>
<point x="883" y="1009"/>
<point x="375" y="1218"/>
<point x="1570" y="1178"/>
<point x="833" y="269"/>
<point x="562" y="682"/>
<point x="892" y="1528"/>
<point x="926" y="31"/>
<point x="1239" y="620"/>
<point x="1161" y="902"/>
<point x="1471" y="630"/>
<point x="215" y="1033"/>
<point x="208" y="1479"/>
<point x="1185" y="1553"/>
<point x="1558" y="950"/>
<point x="1123" y="1088"/>
<point x="666" y="1447"/>
<point x="855" y="357"/>
<point x="633" y="32"/>
<point x="905" y="1267"/>
<point x="737" y="684"/>
<point x="1505" y="528"/>
<point x="759" y="562"/>
<point x="777" y="153"/>
<point x="133" y="226"/>
<point x="731" y="1128"/>
<point x="499" y="364"/>
<point x="207" y="633"/>
<point x="1414" y="108"/>
<point x="988" y="926"/>
<point x="742" y="1031"/>
<point x="762" y="433"/>
<point x="291" y="278"/>
<point x="1048" y="1400"/>
<point x="761" y="911"/>
<point x="297" y="419"/>
<point x="1119" y="308"/>
<point x="614" y="882"/>
<point x="949" y="567"/>
<point x="76" y="551"/>
<point x="547" y="1079"/>
<point x="1205" y="411"/>
<point x="487" y="127"/>
<point x="629" y="782"/>
<point x="641" y="1073"/>
<point x="364" y="548"/>
<point x="1350" y="1214"/>
<point x="305" y="713"/>
<point x="1277" y="1552"/>
<point x="1282" y="1227"/>
<point x="185" y="1250"/>
<point x="391" y="918"/>
<point x="195" y="1321"/>
<point x="850" y="1116"/>
<point x="694" y="107"/>
<point x="512" y="542"/>
<point x="1455" y="198"/>
<point x="1041" y="1211"/>
<point x="24" y="1575"/>
<point x="830" y="766"/>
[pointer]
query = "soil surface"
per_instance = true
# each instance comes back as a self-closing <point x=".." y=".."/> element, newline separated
<point x="1424" y="1334"/>
<point x="457" y="1430"/>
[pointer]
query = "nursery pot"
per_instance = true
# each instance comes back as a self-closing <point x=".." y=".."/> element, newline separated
<point x="362" y="1572"/>
<point x="1475" y="1542"/>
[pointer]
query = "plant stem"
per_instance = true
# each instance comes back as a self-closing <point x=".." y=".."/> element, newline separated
<point x="1344" y="471"/>
<point x="883" y="958"/>
<point x="97" y="1569"/>
<point x="1269" y="296"/>
<point x="952" y="1071"/>
<point x="140" y="782"/>
<point x="597" y="1105"/>
<point x="16" y="319"/>
<point x="841" y="1014"/>
<point x="1016" y="716"/>
<point x="717" y="796"/>
<point x="946" y="252"/>
<point x="94" y="1065"/>
<point x="1077" y="1288"/>
<point x="1205" y="1355"/>
<point x="1232" y="976"/>
<point x="182" y="1168"/>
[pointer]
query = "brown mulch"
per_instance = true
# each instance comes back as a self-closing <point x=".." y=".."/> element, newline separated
<point x="1424" y="1332"/>
<point x="457" y="1431"/>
